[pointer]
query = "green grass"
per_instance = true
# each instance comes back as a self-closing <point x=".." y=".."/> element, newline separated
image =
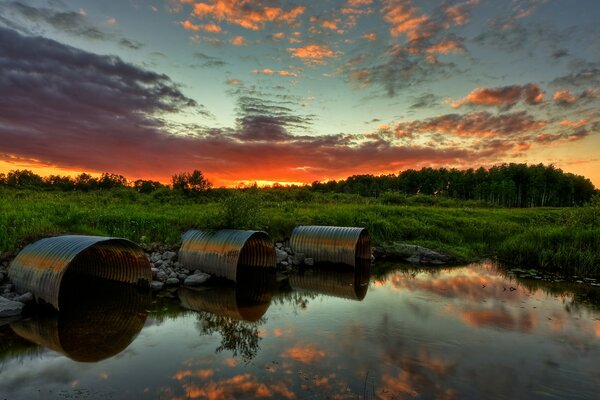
<point x="565" y="240"/>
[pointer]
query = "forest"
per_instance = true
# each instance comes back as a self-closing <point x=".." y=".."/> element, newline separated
<point x="506" y="185"/>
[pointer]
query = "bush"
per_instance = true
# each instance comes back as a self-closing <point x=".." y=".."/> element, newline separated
<point x="241" y="210"/>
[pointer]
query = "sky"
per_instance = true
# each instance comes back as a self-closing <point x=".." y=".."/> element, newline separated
<point x="296" y="91"/>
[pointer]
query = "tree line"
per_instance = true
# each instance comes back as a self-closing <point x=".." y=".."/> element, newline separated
<point x="507" y="185"/>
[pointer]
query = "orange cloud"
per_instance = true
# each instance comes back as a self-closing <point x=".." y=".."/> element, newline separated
<point x="358" y="3"/>
<point x="460" y="13"/>
<point x="574" y="124"/>
<point x="211" y="28"/>
<point x="479" y="124"/>
<point x="238" y="41"/>
<point x="245" y="13"/>
<point x="404" y="18"/>
<point x="506" y="96"/>
<point x="313" y="53"/>
<point x="447" y="46"/>
<point x="564" y="97"/>
<point x="270" y="72"/>
<point x="111" y="21"/>
<point x="307" y="354"/>
<point x="369" y="36"/>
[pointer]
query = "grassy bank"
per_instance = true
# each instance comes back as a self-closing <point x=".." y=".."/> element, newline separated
<point x="567" y="240"/>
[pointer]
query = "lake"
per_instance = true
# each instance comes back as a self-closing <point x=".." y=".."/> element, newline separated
<point x="384" y="332"/>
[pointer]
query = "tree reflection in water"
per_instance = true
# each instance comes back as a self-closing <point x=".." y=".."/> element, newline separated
<point x="235" y="311"/>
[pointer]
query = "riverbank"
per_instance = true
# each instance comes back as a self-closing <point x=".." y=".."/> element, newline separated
<point x="557" y="240"/>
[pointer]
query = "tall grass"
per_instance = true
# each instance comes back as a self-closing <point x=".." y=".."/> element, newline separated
<point x="559" y="239"/>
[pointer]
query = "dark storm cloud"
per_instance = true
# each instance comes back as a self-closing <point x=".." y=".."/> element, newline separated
<point x="71" y="22"/>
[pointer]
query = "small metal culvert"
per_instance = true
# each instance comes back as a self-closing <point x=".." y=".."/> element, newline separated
<point x="41" y="266"/>
<point x="332" y="244"/>
<point x="223" y="252"/>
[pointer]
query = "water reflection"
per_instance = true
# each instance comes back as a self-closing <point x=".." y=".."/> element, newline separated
<point x="334" y="280"/>
<point x="98" y="319"/>
<point x="234" y="310"/>
<point x="465" y="332"/>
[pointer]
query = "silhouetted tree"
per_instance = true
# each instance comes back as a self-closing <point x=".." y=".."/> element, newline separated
<point x="191" y="183"/>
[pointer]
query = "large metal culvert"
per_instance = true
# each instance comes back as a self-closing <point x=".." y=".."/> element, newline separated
<point x="222" y="252"/>
<point x="246" y="300"/>
<point x="98" y="319"/>
<point x="336" y="282"/>
<point x="333" y="244"/>
<point x="40" y="267"/>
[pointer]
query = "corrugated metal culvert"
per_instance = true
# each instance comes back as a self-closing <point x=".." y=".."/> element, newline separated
<point x="41" y="266"/>
<point x="222" y="252"/>
<point x="337" y="282"/>
<point x="334" y="244"/>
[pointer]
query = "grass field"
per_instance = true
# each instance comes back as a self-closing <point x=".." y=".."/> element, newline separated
<point x="558" y="239"/>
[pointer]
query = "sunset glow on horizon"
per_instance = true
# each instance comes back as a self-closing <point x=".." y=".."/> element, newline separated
<point x="290" y="92"/>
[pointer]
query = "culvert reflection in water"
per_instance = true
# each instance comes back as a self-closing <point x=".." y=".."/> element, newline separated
<point x="98" y="318"/>
<point x="336" y="280"/>
<point x="234" y="311"/>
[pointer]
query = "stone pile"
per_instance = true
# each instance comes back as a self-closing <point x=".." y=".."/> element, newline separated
<point x="167" y="271"/>
<point x="287" y="259"/>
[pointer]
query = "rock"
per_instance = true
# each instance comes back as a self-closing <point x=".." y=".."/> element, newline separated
<point x="288" y="250"/>
<point x="155" y="271"/>
<point x="281" y="255"/>
<point x="169" y="255"/>
<point x="279" y="245"/>
<point x="173" y="275"/>
<point x="172" y="281"/>
<point x="309" y="261"/>
<point x="10" y="308"/>
<point x="298" y="259"/>
<point x="1" y="276"/>
<point x="284" y="263"/>
<point x="24" y="298"/>
<point x="413" y="254"/>
<point x="156" y="285"/>
<point x="158" y="263"/>
<point x="196" y="279"/>
<point x="161" y="276"/>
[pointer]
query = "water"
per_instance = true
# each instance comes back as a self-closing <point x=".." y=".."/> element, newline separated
<point x="466" y="332"/>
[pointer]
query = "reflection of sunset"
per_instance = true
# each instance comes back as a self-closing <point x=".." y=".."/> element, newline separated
<point x="203" y="374"/>
<point x="305" y="354"/>
<point x="280" y="332"/>
<point x="240" y="385"/>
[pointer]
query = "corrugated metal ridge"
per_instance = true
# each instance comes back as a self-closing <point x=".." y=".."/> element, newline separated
<point x="334" y="244"/>
<point x="40" y="266"/>
<point x="221" y="252"/>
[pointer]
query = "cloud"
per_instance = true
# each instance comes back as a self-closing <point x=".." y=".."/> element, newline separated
<point x="313" y="53"/>
<point x="28" y="20"/>
<point x="479" y="124"/>
<point x="270" y="72"/>
<point x="110" y="21"/>
<point x="209" y="61"/>
<point x="447" y="46"/>
<point x="211" y="28"/>
<point x="588" y="77"/>
<point x="238" y="41"/>
<point x="566" y="98"/>
<point x="248" y="14"/>
<point x="504" y="97"/>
